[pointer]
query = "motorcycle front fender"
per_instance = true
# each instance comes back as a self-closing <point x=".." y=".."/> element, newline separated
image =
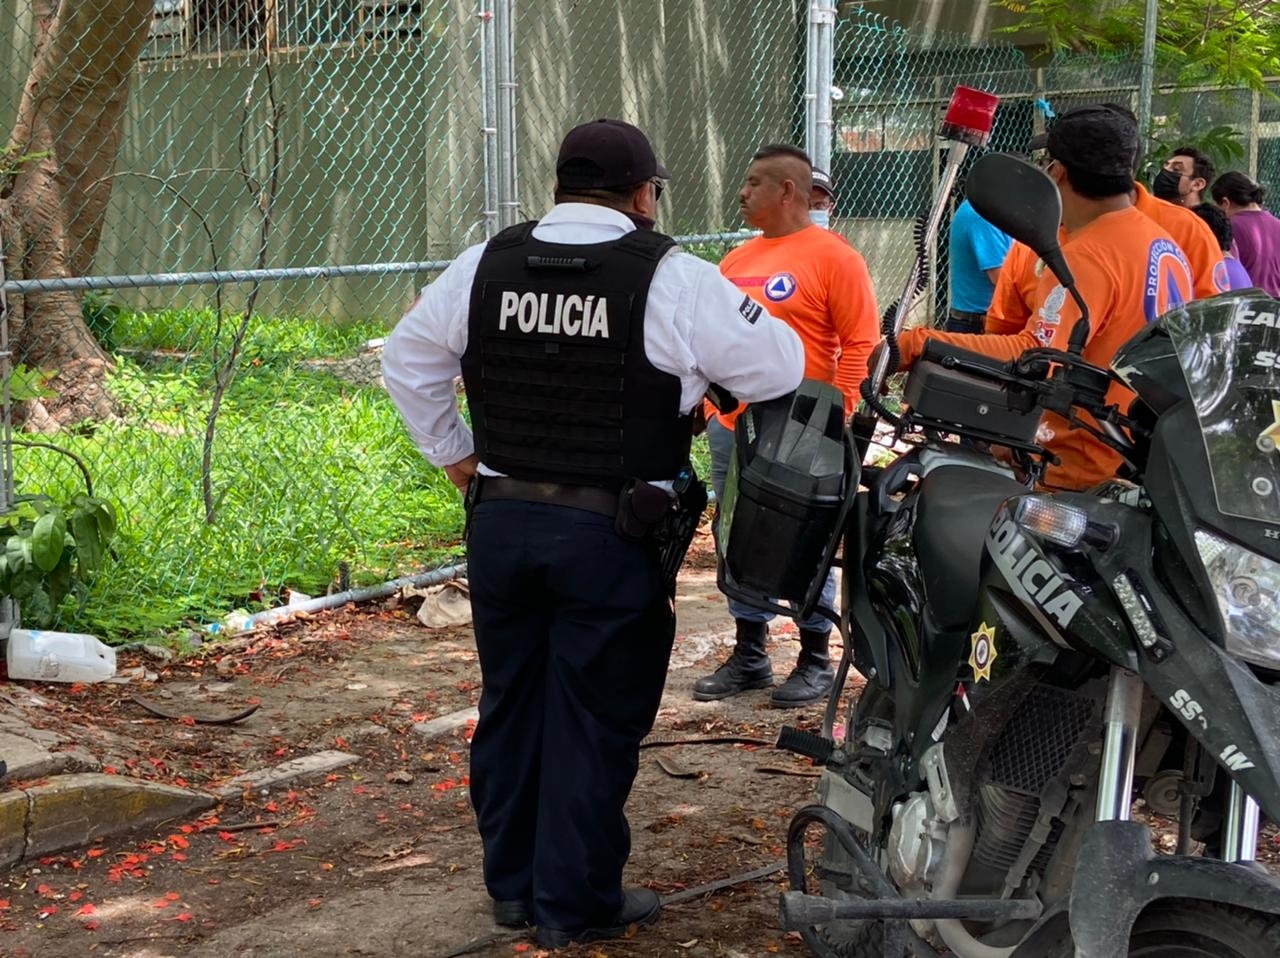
<point x="1118" y="874"/>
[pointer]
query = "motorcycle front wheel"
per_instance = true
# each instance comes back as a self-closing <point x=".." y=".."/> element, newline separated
<point x="1179" y="928"/>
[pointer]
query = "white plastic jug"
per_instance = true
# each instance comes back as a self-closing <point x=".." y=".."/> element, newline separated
<point x="59" y="657"/>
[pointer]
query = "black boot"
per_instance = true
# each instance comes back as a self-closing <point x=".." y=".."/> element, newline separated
<point x="812" y="677"/>
<point x="747" y="668"/>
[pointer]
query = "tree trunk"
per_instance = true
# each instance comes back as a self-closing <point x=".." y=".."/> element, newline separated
<point x="69" y="125"/>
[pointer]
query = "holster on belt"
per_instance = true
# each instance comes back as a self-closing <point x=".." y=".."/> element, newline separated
<point x="674" y="533"/>
<point x="469" y="499"/>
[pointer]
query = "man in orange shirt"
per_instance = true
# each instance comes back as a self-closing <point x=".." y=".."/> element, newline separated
<point x="1011" y="310"/>
<point x="819" y="285"/>
<point x="1126" y="268"/>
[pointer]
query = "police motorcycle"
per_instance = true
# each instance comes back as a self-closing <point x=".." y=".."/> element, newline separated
<point x="1035" y="663"/>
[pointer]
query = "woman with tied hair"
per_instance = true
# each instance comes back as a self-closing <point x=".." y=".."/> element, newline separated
<point x="1257" y="232"/>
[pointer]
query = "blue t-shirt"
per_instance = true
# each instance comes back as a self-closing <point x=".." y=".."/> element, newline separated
<point x="976" y="246"/>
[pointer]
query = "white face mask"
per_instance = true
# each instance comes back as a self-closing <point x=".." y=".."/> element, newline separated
<point x="821" y="218"/>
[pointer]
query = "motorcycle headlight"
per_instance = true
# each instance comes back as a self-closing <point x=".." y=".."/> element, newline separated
<point x="1247" y="587"/>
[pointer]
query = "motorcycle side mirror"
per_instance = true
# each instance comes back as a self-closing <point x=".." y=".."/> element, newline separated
<point x="1017" y="198"/>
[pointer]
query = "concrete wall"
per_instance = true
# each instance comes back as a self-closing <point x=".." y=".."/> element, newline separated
<point x="382" y="144"/>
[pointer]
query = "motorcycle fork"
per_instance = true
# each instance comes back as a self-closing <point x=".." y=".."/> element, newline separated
<point x="1240" y="827"/>
<point x="1119" y="748"/>
<point x="1119" y="759"/>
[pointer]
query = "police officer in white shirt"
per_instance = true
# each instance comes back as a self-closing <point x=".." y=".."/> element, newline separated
<point x="585" y="341"/>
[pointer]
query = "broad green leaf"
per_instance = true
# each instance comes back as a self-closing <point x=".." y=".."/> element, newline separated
<point x="90" y="546"/>
<point x="106" y="514"/>
<point x="48" y="540"/>
<point x="18" y="551"/>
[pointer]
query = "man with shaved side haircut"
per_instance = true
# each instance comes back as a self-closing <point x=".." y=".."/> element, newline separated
<point x="816" y="282"/>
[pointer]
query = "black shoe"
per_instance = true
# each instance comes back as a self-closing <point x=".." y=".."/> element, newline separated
<point x="747" y="668"/>
<point x="812" y="677"/>
<point x="640" y="907"/>
<point x="513" y="914"/>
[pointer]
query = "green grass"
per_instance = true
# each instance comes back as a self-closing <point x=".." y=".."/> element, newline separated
<point x="309" y="471"/>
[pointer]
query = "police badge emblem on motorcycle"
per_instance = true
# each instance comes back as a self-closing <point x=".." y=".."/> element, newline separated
<point x="982" y="652"/>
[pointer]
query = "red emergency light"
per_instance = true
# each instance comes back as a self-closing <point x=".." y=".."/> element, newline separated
<point x="970" y="116"/>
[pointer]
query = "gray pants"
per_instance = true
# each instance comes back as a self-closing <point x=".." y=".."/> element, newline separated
<point x="720" y="440"/>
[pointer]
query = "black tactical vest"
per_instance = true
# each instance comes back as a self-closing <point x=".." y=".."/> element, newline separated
<point x="558" y="384"/>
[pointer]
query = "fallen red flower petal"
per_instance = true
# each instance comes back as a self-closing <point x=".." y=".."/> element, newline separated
<point x="91" y="926"/>
<point x="172" y="896"/>
<point x="87" y="909"/>
<point x="183" y="916"/>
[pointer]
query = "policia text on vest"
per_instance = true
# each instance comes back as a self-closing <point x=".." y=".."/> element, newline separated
<point x="555" y="313"/>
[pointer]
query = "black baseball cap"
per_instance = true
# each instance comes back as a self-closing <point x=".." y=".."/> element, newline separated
<point x="1038" y="142"/>
<point x="1101" y="139"/>
<point x="606" y="155"/>
<point x="822" y="180"/>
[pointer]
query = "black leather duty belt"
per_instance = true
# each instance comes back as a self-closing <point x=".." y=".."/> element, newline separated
<point x="971" y="317"/>
<point x="589" y="498"/>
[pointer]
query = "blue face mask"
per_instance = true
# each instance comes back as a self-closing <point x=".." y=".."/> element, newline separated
<point x="821" y="218"/>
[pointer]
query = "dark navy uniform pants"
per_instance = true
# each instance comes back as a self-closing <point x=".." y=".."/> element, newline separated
<point x="574" y="630"/>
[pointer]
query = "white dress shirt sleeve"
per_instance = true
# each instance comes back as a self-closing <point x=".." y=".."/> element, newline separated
<point x="709" y="331"/>
<point x="421" y="360"/>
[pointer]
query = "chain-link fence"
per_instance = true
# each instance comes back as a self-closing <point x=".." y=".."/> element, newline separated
<point x="255" y="190"/>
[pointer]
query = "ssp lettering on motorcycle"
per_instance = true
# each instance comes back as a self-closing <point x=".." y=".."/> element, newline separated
<point x="1030" y="576"/>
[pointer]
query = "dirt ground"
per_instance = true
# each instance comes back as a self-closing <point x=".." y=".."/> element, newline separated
<point x="381" y="857"/>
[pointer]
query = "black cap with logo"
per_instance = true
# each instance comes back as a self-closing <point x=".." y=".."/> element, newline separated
<point x="1101" y="139"/>
<point x="822" y="180"/>
<point x="606" y="155"/>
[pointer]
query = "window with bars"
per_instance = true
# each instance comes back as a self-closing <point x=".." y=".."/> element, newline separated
<point x="181" y="27"/>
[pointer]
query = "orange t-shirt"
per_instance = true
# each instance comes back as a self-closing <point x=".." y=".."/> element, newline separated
<point x="1193" y="236"/>
<point x="819" y="285"/>
<point x="1015" y="291"/>
<point x="1129" y="271"/>
<point x="1020" y="275"/>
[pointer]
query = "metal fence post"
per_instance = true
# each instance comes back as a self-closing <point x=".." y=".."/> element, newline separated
<point x="489" y="121"/>
<point x="820" y="151"/>
<point x="1146" y="81"/>
<point x="811" y="81"/>
<point x="508" y="182"/>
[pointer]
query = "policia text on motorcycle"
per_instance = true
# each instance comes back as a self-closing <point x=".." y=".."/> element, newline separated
<point x="584" y="340"/>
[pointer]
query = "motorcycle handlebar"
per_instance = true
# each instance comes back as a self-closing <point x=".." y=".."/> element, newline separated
<point x="955" y="357"/>
<point x="1057" y="380"/>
